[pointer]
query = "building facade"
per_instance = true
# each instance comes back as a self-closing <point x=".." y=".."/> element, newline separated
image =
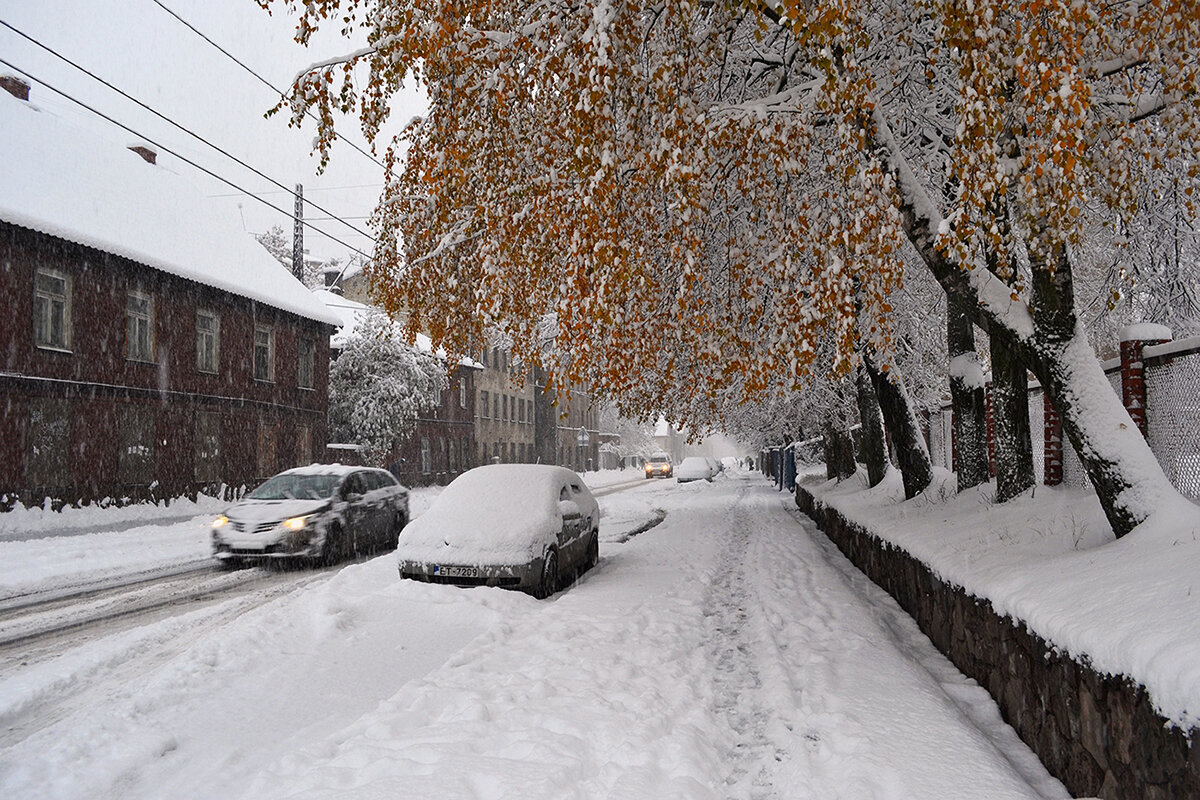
<point x="504" y="418"/>
<point x="147" y="353"/>
<point x="442" y="444"/>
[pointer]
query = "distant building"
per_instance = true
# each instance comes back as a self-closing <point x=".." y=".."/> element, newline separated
<point x="517" y="422"/>
<point x="504" y="419"/>
<point x="669" y="440"/>
<point x="152" y="347"/>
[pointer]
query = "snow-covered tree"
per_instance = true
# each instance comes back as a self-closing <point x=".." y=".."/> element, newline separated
<point x="378" y="386"/>
<point x="704" y="192"/>
<point x="636" y="438"/>
<point x="279" y="245"/>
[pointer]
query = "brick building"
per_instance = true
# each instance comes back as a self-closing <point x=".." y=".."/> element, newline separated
<point x="152" y="347"/>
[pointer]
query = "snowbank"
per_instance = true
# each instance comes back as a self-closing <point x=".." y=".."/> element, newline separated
<point x="1048" y="558"/>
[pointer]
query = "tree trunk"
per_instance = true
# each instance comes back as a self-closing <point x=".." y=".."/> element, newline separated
<point x="1129" y="482"/>
<point x="1010" y="415"/>
<point x="839" y="453"/>
<point x="911" y="451"/>
<point x="874" y="445"/>
<point x="968" y="400"/>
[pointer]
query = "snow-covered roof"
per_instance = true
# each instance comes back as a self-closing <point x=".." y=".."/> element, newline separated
<point x="351" y="312"/>
<point x="66" y="182"/>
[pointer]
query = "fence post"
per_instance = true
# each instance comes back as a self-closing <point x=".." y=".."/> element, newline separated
<point x="953" y="440"/>
<point x="1134" y="339"/>
<point x="1052" y="448"/>
<point x="991" y="428"/>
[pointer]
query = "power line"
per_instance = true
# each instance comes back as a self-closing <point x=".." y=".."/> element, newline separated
<point x="265" y="82"/>
<point x="170" y="121"/>
<point x="183" y="158"/>
<point x="313" y="189"/>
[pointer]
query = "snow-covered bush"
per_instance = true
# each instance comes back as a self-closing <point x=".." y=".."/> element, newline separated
<point x="378" y="386"/>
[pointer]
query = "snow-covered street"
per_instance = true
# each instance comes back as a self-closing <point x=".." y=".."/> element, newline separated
<point x="729" y="651"/>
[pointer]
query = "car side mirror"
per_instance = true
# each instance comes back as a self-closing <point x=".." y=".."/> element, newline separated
<point x="568" y="508"/>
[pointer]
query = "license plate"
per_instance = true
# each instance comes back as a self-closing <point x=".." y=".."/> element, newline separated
<point x="457" y="572"/>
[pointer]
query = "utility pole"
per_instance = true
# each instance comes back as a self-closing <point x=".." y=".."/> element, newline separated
<point x="298" y="235"/>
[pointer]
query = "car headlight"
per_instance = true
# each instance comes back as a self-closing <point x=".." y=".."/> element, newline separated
<point x="220" y="522"/>
<point x="296" y="523"/>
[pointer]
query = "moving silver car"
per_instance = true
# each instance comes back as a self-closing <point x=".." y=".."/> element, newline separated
<point x="322" y="513"/>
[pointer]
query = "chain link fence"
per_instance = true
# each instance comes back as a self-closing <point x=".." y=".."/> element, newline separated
<point x="1173" y="416"/>
<point x="941" y="438"/>
<point x="1172" y="382"/>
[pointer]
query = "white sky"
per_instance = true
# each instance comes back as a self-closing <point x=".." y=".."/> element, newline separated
<point x="141" y="49"/>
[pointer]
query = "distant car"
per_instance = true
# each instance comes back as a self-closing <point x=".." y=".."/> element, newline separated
<point x="694" y="468"/>
<point x="322" y="513"/>
<point x="659" y="467"/>
<point x="520" y="526"/>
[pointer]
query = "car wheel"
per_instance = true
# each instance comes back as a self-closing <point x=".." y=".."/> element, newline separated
<point x="549" y="582"/>
<point x="230" y="564"/>
<point x="593" y="556"/>
<point x="331" y="551"/>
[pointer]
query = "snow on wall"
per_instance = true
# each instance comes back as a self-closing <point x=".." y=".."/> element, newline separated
<point x="71" y="184"/>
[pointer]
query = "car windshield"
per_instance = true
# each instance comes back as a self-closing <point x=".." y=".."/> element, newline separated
<point x="296" y="487"/>
<point x="659" y="460"/>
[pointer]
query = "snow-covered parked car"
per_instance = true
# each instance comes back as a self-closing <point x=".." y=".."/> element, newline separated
<point x="694" y="468"/>
<point x="520" y="526"/>
<point x="323" y="513"/>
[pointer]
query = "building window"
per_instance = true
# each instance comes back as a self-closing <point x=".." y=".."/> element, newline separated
<point x="49" y="442"/>
<point x="504" y="407"/>
<point x="52" y="309"/>
<point x="495" y="406"/>
<point x="206" y="448"/>
<point x="303" y="445"/>
<point x="136" y="434"/>
<point x="462" y="392"/>
<point x="453" y="462"/>
<point x="139" y="316"/>
<point x="304" y="374"/>
<point x="426" y="457"/>
<point x="521" y="410"/>
<point x="208" y="340"/>
<point x="483" y="404"/>
<point x="483" y="358"/>
<point x="264" y="353"/>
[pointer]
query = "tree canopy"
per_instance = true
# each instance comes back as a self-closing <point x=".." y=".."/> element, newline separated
<point x="714" y="201"/>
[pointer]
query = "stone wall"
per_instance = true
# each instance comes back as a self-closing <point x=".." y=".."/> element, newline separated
<point x="1098" y="734"/>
